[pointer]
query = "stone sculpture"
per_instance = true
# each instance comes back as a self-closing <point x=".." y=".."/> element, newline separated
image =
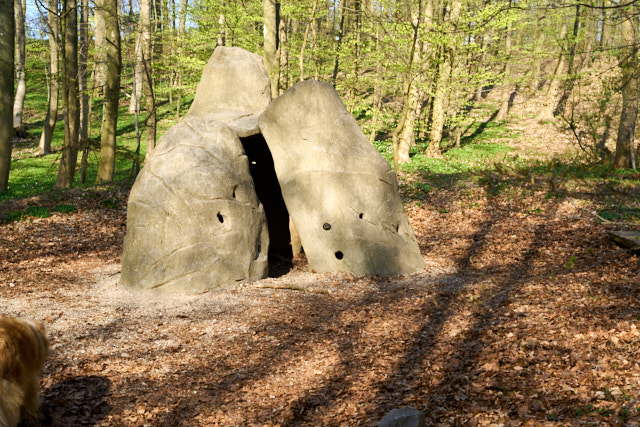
<point x="194" y="221"/>
<point x="209" y="204"/>
<point x="340" y="192"/>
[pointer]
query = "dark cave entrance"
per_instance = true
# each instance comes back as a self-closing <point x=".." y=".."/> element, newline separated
<point x="268" y="191"/>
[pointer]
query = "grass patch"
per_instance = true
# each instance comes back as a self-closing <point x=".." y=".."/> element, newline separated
<point x="30" y="212"/>
<point x="64" y="208"/>
<point x="32" y="174"/>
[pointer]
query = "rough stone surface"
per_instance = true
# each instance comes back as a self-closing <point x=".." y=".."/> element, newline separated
<point x="193" y="220"/>
<point x="340" y="192"/>
<point x="234" y="89"/>
<point x="403" y="417"/>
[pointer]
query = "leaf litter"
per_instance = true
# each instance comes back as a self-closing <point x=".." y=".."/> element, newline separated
<point x="525" y="315"/>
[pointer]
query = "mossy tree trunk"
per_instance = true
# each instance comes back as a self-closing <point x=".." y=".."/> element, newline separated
<point x="443" y="85"/>
<point x="147" y="54"/>
<point x="551" y="97"/>
<point x="625" y="151"/>
<point x="44" y="147"/>
<point x="106" y="166"/>
<point x="270" y="51"/>
<point x="67" y="169"/>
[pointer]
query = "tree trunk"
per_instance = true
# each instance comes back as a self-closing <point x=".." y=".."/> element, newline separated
<point x="106" y="166"/>
<point x="136" y="93"/>
<point x="437" y="114"/>
<point x="550" y="101"/>
<point x="147" y="54"/>
<point x="625" y="153"/>
<point x="270" y="52"/>
<point x="54" y="86"/>
<point x="407" y="137"/>
<point x="222" y="32"/>
<point x="442" y="87"/>
<point x="100" y="54"/>
<point x="304" y="40"/>
<point x="507" y="89"/>
<point x="338" y="42"/>
<point x="7" y="57"/>
<point x="572" y="70"/>
<point x="406" y="92"/>
<point x="21" y="43"/>
<point x="67" y="168"/>
<point x="283" y="80"/>
<point x="84" y="90"/>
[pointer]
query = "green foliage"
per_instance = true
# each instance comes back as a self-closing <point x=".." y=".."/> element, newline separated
<point x="111" y="203"/>
<point x="64" y="208"/>
<point x="30" y="212"/>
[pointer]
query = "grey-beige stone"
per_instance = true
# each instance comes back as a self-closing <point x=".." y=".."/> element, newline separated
<point x="194" y="221"/>
<point x="340" y="192"/>
<point x="234" y="89"/>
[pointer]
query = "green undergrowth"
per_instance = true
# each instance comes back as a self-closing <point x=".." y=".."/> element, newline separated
<point x="32" y="174"/>
<point x="38" y="212"/>
<point x="484" y="157"/>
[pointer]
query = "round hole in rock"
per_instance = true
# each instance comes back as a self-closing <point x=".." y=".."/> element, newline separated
<point x="361" y="216"/>
<point x="326" y="226"/>
<point x="220" y="218"/>
<point x="339" y="255"/>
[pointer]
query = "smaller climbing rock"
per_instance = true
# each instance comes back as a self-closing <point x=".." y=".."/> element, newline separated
<point x="234" y="89"/>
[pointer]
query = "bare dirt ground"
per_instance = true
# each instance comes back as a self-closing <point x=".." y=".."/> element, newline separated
<point x="525" y="315"/>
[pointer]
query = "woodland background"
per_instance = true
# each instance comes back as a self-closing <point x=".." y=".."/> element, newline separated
<point x="412" y="72"/>
<point x="512" y="129"/>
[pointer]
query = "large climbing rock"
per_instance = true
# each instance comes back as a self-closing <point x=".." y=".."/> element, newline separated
<point x="193" y="220"/>
<point x="340" y="192"/>
<point x="234" y="89"/>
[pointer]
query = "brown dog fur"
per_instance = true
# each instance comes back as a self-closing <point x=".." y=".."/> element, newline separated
<point x="24" y="347"/>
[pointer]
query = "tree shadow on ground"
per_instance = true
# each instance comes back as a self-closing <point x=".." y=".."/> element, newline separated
<point x="76" y="401"/>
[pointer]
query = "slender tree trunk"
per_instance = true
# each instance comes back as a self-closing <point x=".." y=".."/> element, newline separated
<point x="7" y="58"/>
<point x="406" y="91"/>
<point x="222" y="32"/>
<point x="625" y="150"/>
<point x="550" y="101"/>
<point x="572" y="70"/>
<point x="270" y="52"/>
<point x="507" y="88"/>
<point x="21" y="43"/>
<point x="407" y="137"/>
<point x="100" y="54"/>
<point x="106" y="166"/>
<point x="44" y="146"/>
<point x="67" y="168"/>
<point x="147" y="54"/>
<point x="481" y="67"/>
<point x="84" y="90"/>
<point x="338" y="42"/>
<point x="136" y="93"/>
<point x="377" y="87"/>
<point x="438" y="114"/>
<point x="304" y="40"/>
<point x="283" y="80"/>
<point x="442" y="88"/>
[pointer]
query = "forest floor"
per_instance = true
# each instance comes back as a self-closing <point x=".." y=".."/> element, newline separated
<point x="526" y="314"/>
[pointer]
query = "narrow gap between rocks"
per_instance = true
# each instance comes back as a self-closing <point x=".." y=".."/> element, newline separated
<point x="268" y="191"/>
